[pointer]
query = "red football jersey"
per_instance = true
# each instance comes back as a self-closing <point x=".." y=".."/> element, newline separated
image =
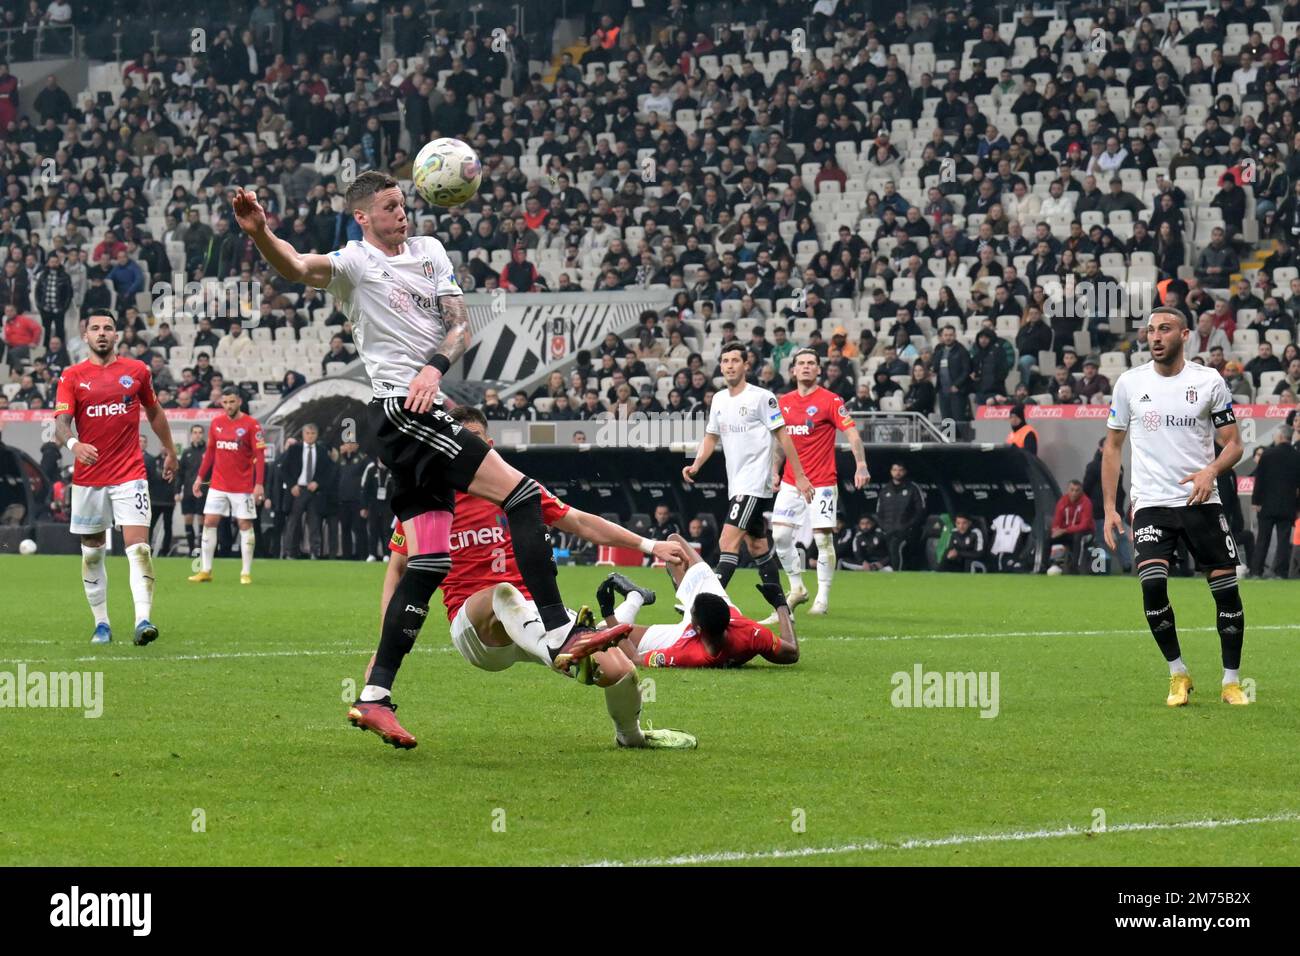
<point x="481" y="551"/>
<point x="238" y="449"/>
<point x="812" y="421"/>
<point x="104" y="402"/>
<point x="744" y="640"/>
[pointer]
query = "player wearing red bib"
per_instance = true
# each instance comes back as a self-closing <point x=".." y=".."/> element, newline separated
<point x="813" y="415"/>
<point x="712" y="633"/>
<point x="489" y="606"/>
<point x="103" y="396"/>
<point x="236" y="457"/>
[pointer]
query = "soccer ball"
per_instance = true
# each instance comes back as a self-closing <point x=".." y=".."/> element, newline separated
<point x="447" y="172"/>
<point x="27" y="546"/>
<point x="1055" y="569"/>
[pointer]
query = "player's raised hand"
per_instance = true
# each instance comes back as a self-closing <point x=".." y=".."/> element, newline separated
<point x="861" y="477"/>
<point x="1113" y="529"/>
<point x="1203" y="484"/>
<point x="85" y="453"/>
<point x="248" y="211"/>
<point x="424" y="390"/>
<point x="689" y="473"/>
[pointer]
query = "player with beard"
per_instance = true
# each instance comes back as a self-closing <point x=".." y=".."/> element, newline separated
<point x="1174" y="411"/>
<point x="104" y="396"/>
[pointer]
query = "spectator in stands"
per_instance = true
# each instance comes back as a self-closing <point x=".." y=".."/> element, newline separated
<point x="592" y="407"/>
<point x="1217" y="261"/>
<point x="236" y="348"/>
<point x="492" y="408"/>
<point x="21" y="334"/>
<point x="1264" y="361"/>
<point x="920" y="395"/>
<point x="53" y="295"/>
<point x="862" y="400"/>
<point x="1092" y="385"/>
<point x="162" y="376"/>
<point x="951" y="366"/>
<point x="205" y="337"/>
<point x="521" y="410"/>
<point x="989" y="367"/>
<point x="519" y="275"/>
<point x="1291" y="380"/>
<point x="338" y="352"/>
<point x="1206" y="337"/>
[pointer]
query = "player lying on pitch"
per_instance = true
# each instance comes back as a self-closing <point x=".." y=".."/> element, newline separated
<point x="713" y="632"/>
<point x="485" y="586"/>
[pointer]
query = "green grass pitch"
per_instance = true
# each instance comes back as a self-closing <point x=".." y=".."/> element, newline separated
<point x="225" y="742"/>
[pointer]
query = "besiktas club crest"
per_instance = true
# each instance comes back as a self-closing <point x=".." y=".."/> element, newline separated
<point x="428" y="269"/>
<point x="1191" y="396"/>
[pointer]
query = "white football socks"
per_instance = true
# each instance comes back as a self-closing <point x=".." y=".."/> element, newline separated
<point x="247" y="539"/>
<point x="783" y="541"/>
<point x="140" y="559"/>
<point x="623" y="701"/>
<point x="1231" y="677"/>
<point x="209" y="548"/>
<point x="1176" y="666"/>
<point x="94" y="577"/>
<point x="626" y="612"/>
<point x="370" y="693"/>
<point x="825" y="562"/>
<point x="524" y="626"/>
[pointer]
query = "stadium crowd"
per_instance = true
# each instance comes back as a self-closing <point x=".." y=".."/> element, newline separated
<point x="939" y="201"/>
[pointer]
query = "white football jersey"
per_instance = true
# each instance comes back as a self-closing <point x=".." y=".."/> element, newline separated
<point x="1171" y="420"/>
<point x="393" y="304"/>
<point x="745" y="424"/>
<point x="1007" y="530"/>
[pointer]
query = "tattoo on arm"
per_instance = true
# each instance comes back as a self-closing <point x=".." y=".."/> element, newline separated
<point x="456" y="314"/>
<point x="63" y="429"/>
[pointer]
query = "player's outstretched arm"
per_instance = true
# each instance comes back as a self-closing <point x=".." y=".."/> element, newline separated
<point x="598" y="531"/>
<point x="311" y="268"/>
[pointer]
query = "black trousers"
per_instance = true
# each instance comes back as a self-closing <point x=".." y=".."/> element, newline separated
<point x="163" y="511"/>
<point x="1269" y="526"/>
<point x="54" y="325"/>
<point x="899" y="543"/>
<point x="378" y="530"/>
<point x="352" y="531"/>
<point x="305" y="505"/>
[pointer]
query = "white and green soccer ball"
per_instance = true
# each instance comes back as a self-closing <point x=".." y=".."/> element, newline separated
<point x="447" y="172"/>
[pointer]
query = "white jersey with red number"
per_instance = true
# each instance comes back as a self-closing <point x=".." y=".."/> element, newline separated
<point x="812" y="421"/>
<point x="482" y="555"/>
<point x="236" y="454"/>
<point x="104" y="402"/>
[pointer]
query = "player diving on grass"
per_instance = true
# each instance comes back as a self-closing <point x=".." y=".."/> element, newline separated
<point x="1174" y="411"/>
<point x="747" y="421"/>
<point x="104" y="396"/>
<point x="410" y="325"/>
<point x="488" y="603"/>
<point x="812" y="416"/>
<point x="712" y="632"/>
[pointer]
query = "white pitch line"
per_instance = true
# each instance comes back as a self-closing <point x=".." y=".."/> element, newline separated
<point x="960" y="839"/>
<point x="1070" y="633"/>
<point x="214" y="657"/>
